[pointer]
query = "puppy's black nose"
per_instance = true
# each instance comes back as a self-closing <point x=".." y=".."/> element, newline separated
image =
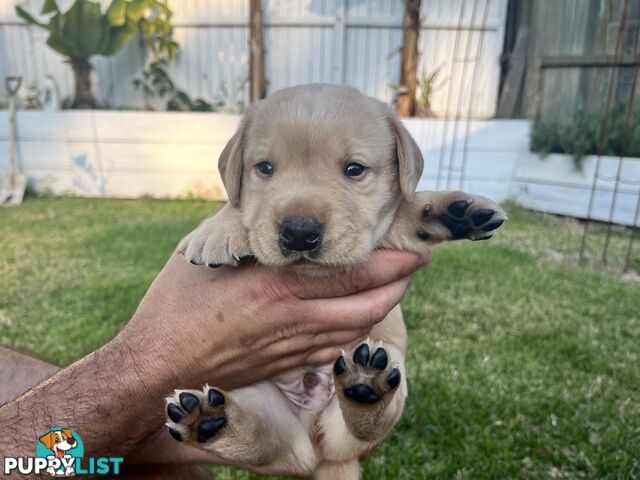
<point x="300" y="234"/>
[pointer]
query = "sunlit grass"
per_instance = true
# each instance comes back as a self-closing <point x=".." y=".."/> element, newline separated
<point x="522" y="363"/>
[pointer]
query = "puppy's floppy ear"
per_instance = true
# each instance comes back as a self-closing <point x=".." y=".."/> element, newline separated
<point x="230" y="163"/>
<point x="410" y="161"/>
<point x="48" y="439"/>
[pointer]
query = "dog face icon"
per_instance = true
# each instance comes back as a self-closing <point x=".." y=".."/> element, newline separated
<point x="59" y="441"/>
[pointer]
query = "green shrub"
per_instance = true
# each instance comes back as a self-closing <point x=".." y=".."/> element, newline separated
<point x="580" y="136"/>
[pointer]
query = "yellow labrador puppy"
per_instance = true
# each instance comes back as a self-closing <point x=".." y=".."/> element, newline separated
<point x="317" y="177"/>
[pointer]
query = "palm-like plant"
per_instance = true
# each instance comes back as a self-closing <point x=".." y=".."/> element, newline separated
<point x="84" y="31"/>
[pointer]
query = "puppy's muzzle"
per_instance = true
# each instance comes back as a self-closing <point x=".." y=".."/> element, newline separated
<point x="299" y="234"/>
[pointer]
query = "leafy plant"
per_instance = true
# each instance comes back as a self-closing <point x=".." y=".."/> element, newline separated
<point x="84" y="31"/>
<point x="422" y="97"/>
<point x="155" y="81"/>
<point x="427" y="87"/>
<point x="580" y="136"/>
<point x="157" y="32"/>
<point x="32" y="99"/>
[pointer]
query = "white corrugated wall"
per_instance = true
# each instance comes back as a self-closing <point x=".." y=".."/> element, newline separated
<point x="339" y="41"/>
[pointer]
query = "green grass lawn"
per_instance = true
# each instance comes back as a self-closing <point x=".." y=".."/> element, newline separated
<point x="521" y="363"/>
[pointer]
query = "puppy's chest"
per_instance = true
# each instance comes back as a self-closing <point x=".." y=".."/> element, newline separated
<point x="310" y="389"/>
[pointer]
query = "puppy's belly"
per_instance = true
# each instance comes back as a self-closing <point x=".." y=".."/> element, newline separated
<point x="309" y="390"/>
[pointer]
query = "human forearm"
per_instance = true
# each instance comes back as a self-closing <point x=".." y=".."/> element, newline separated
<point x="112" y="398"/>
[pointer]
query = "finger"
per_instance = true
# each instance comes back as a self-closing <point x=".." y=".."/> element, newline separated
<point x="323" y="356"/>
<point x="340" y="338"/>
<point x="290" y="362"/>
<point x="360" y="310"/>
<point x="382" y="267"/>
<point x="309" y="342"/>
<point x="368" y="451"/>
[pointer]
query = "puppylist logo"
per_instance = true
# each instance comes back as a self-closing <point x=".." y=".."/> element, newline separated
<point x="60" y="453"/>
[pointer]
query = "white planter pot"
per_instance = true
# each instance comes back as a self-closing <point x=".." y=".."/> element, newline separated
<point x="553" y="184"/>
<point x="121" y="154"/>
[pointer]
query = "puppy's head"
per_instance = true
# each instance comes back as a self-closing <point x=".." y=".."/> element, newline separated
<point x="318" y="172"/>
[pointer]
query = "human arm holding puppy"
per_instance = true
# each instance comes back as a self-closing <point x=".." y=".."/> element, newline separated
<point x="230" y="327"/>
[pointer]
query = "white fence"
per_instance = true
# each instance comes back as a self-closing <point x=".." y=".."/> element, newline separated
<point x="116" y="154"/>
<point x="337" y="41"/>
<point x="128" y="154"/>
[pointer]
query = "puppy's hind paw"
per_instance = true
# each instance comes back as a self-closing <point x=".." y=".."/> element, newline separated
<point x="367" y="381"/>
<point x="212" y="420"/>
<point x="195" y="416"/>
<point x="366" y="376"/>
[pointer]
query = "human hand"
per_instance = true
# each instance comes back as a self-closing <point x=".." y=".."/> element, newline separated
<point x="231" y="327"/>
<point x="235" y="326"/>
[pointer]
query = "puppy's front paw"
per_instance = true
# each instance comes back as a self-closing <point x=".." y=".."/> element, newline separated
<point x="465" y="216"/>
<point x="434" y="217"/>
<point x="219" y="240"/>
<point x="196" y="416"/>
<point x="366" y="381"/>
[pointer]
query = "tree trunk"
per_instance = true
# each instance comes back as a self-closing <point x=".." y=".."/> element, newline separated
<point x="257" y="80"/>
<point x="83" y="97"/>
<point x="409" y="62"/>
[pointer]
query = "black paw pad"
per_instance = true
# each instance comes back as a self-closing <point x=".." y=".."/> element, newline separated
<point x="458" y="208"/>
<point x="188" y="401"/>
<point x="174" y="412"/>
<point x="379" y="360"/>
<point x="340" y="366"/>
<point x="193" y="262"/>
<point x="214" y="265"/>
<point x="215" y="397"/>
<point x="361" y="355"/>
<point x="482" y="216"/>
<point x="361" y="393"/>
<point x="459" y="229"/>
<point x="394" y="378"/>
<point x="492" y="226"/>
<point x="175" y="434"/>
<point x="209" y="427"/>
<point x="422" y="235"/>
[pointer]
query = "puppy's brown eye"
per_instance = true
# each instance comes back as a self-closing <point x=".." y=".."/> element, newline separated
<point x="265" y="168"/>
<point x="354" y="170"/>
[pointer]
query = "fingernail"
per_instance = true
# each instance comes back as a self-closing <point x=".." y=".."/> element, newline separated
<point x="424" y="259"/>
